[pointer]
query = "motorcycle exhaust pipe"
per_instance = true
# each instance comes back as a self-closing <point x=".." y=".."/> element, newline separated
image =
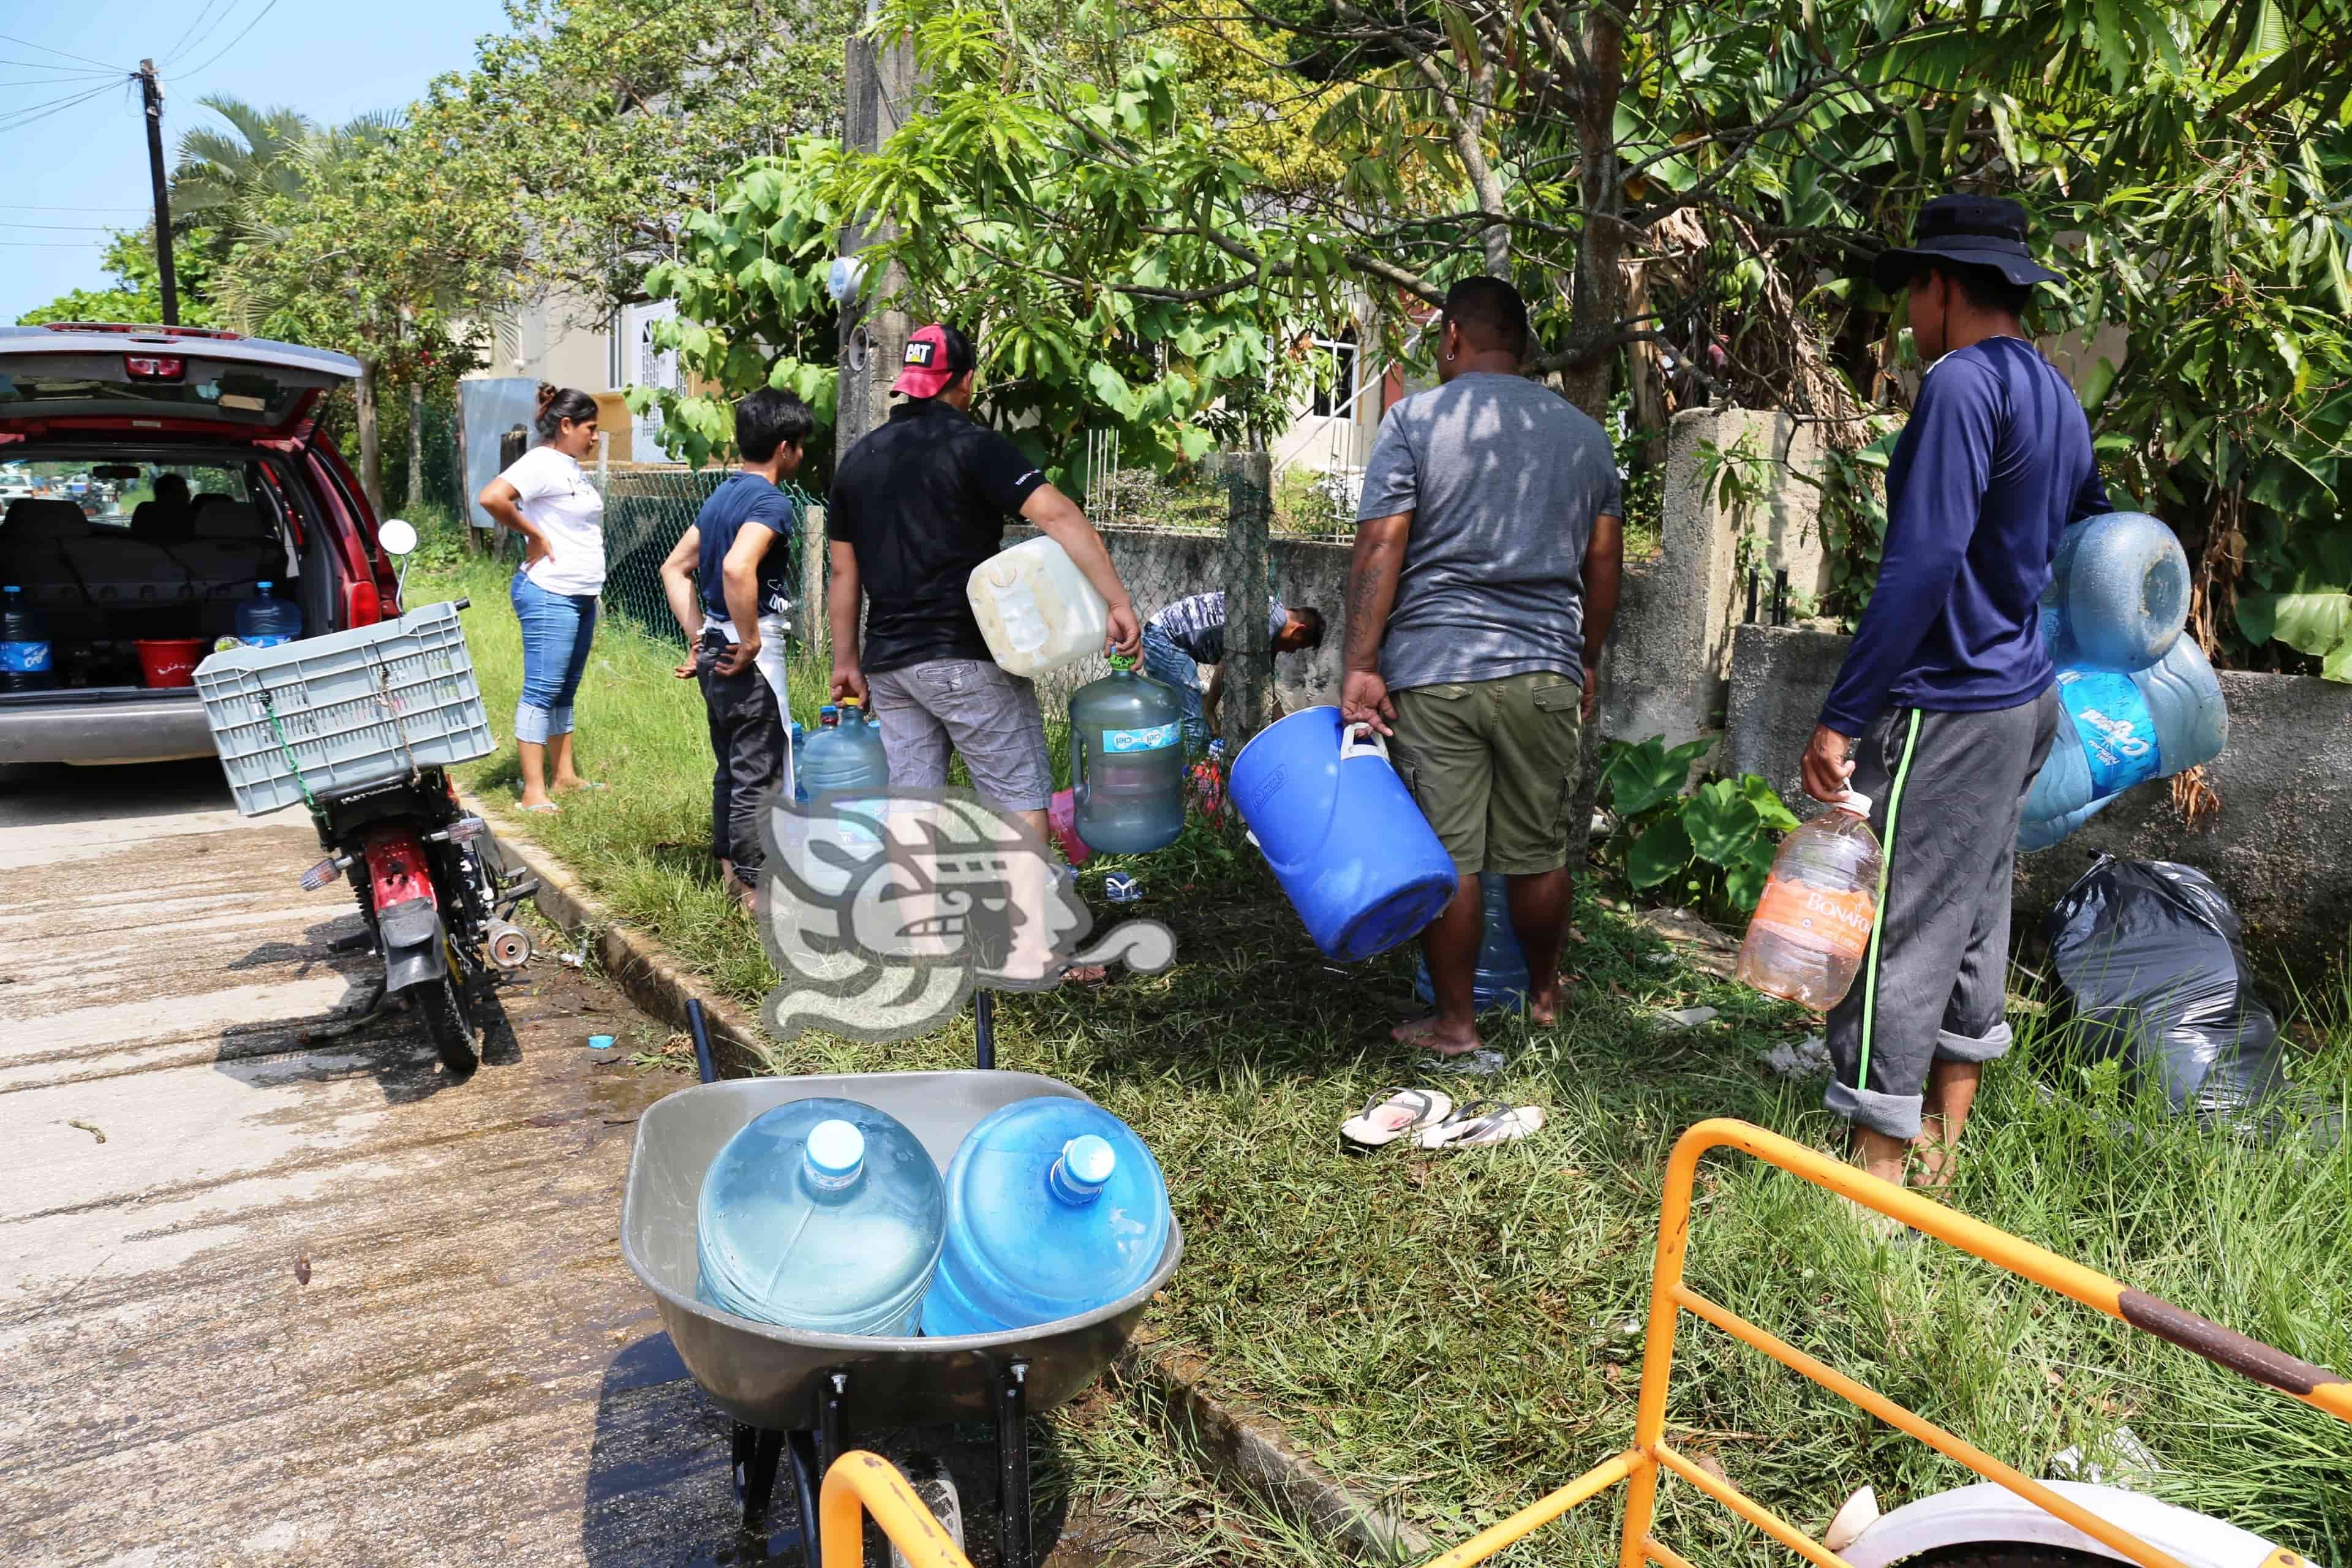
<point x="510" y="944"/>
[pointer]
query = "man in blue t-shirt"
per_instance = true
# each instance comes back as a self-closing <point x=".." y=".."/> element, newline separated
<point x="1944" y="710"/>
<point x="730" y="584"/>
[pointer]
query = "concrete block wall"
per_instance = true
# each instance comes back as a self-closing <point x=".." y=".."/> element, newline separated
<point x="1670" y="658"/>
<point x="2277" y="847"/>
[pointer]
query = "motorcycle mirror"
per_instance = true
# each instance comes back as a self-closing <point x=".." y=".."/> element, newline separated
<point x="396" y="537"/>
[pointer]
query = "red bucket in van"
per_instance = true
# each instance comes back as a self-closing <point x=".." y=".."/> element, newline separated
<point x="170" y="661"/>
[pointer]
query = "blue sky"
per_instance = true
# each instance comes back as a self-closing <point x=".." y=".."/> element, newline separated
<point x="77" y="168"/>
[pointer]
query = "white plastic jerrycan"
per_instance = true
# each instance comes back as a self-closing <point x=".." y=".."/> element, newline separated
<point x="1036" y="609"/>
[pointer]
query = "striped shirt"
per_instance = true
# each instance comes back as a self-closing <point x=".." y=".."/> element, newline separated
<point x="1197" y="626"/>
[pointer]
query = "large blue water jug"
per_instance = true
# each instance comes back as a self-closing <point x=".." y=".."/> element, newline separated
<point x="27" y="663"/>
<point x="1054" y="1207"/>
<point x="824" y="1215"/>
<point x="800" y="757"/>
<point x="2119" y="593"/>
<point x="2119" y="728"/>
<point x="1127" y="739"/>
<point x="844" y="757"/>
<point x="1353" y="853"/>
<point x="264" y="620"/>
<point x="1501" y="980"/>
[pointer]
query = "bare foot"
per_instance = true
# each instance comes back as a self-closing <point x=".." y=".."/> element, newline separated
<point x="1086" y="974"/>
<point x="1432" y="1034"/>
<point x="536" y="800"/>
<point x="574" y="781"/>
<point x="1543" y="1006"/>
<point x="748" y="899"/>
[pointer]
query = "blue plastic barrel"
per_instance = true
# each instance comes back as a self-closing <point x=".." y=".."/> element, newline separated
<point x="1501" y="980"/>
<point x="1054" y="1208"/>
<point x="1354" y="855"/>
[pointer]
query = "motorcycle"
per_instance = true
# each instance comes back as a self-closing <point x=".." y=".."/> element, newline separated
<point x="430" y="882"/>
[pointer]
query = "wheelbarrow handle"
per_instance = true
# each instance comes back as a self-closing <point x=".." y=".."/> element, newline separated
<point x="705" y="1065"/>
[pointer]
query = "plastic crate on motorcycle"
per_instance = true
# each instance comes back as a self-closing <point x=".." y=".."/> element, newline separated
<point x="347" y="709"/>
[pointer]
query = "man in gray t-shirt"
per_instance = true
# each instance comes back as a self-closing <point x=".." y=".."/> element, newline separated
<point x="1485" y="580"/>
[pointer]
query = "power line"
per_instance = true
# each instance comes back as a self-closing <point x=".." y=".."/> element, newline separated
<point x="232" y="43"/>
<point x="62" y="227"/>
<point x="64" y="72"/>
<point x="38" y="207"/>
<point x="52" y="244"/>
<point x="68" y="54"/>
<point x="23" y="117"/>
<point x="182" y="48"/>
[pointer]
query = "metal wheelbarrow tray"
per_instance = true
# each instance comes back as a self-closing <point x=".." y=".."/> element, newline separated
<point x="797" y="1392"/>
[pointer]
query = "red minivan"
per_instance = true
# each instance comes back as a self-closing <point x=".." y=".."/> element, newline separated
<point x="157" y="476"/>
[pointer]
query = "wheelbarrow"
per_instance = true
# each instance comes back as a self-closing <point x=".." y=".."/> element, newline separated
<point x="797" y="1396"/>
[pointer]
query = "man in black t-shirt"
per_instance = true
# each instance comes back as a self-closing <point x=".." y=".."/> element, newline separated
<point x="916" y="506"/>
<point x="730" y="584"/>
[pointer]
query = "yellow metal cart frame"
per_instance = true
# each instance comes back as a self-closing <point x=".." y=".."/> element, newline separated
<point x="860" y="1482"/>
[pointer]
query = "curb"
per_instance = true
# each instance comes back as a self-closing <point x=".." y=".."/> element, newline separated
<point x="1250" y="1454"/>
<point x="1245" y="1451"/>
<point x="647" y="974"/>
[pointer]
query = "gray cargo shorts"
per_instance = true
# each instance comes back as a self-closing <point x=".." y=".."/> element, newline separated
<point x="970" y="706"/>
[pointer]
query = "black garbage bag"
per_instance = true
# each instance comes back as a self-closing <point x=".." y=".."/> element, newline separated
<point x="2147" y="954"/>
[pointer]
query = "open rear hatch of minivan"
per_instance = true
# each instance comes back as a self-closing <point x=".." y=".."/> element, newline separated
<point x="171" y="482"/>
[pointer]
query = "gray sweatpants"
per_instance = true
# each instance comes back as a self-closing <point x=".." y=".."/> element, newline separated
<point x="1946" y="793"/>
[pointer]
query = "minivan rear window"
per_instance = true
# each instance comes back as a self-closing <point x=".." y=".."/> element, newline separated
<point x="245" y="396"/>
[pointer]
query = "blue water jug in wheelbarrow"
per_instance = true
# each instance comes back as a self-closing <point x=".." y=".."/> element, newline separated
<point x="1054" y="1208"/>
<point x="1352" y="851"/>
<point x="823" y="1215"/>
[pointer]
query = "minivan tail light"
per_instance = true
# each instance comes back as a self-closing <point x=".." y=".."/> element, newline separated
<point x="154" y="367"/>
<point x="363" y="607"/>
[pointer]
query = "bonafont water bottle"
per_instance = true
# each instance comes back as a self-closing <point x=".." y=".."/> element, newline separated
<point x="1806" y="941"/>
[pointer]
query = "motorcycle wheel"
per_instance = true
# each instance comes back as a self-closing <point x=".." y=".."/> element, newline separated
<point x="448" y="1021"/>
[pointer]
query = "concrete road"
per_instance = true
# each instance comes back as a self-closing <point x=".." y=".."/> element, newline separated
<point x="469" y="1375"/>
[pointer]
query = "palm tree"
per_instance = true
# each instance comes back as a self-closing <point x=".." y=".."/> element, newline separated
<point x="223" y="175"/>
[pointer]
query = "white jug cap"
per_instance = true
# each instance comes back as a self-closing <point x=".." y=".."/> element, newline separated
<point x="836" y="1148"/>
<point x="1855" y="802"/>
<point x="1089" y="1160"/>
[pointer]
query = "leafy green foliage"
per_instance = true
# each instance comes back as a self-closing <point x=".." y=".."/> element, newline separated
<point x="1711" y="847"/>
<point x="138" y="293"/>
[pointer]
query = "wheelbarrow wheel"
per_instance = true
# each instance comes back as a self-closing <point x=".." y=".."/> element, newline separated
<point x="928" y="1476"/>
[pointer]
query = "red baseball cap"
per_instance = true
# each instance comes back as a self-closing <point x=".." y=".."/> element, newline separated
<point x="935" y="356"/>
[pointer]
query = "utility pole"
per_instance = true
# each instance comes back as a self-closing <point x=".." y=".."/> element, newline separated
<point x="880" y="82"/>
<point x="152" y="91"/>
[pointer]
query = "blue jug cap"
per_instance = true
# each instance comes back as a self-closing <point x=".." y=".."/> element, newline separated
<point x="264" y="586"/>
<point x="835" y="1149"/>
<point x="1086" y="1163"/>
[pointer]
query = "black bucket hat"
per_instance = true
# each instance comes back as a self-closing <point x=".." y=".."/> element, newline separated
<point x="1973" y="231"/>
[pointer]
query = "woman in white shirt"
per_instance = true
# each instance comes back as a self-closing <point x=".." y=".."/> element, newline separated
<point x="546" y="497"/>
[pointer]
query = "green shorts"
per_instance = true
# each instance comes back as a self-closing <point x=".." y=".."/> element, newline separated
<point x="1493" y="763"/>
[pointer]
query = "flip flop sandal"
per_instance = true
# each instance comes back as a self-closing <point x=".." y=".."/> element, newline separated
<point x="1481" y="1124"/>
<point x="1395" y="1113"/>
<point x="549" y="809"/>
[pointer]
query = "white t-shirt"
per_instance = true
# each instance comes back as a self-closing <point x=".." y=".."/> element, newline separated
<point x="558" y="501"/>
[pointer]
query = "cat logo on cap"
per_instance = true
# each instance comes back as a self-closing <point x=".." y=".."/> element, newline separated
<point x="918" y="352"/>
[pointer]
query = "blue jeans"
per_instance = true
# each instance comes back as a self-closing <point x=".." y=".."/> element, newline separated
<point x="1171" y="666"/>
<point x="556" y="631"/>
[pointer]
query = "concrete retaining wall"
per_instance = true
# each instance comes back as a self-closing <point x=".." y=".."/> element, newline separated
<point x="2278" y="847"/>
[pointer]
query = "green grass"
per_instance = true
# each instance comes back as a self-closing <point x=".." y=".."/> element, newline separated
<point x="1450" y="1330"/>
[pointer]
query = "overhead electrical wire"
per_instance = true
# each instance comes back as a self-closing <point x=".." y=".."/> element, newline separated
<point x="232" y="43"/>
<point x="193" y="39"/>
<point x="17" y="119"/>
<point x="68" y="54"/>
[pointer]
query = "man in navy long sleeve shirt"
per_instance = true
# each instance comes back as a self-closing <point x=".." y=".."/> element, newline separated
<point x="1944" y="711"/>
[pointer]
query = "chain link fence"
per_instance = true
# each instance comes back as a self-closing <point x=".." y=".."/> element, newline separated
<point x="647" y="509"/>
